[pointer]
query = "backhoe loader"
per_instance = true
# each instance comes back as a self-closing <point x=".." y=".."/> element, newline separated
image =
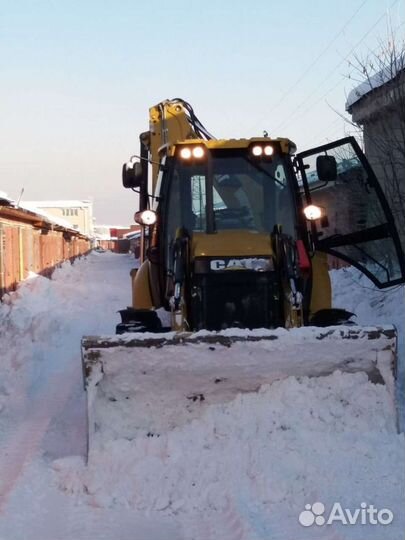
<point x="235" y="241"/>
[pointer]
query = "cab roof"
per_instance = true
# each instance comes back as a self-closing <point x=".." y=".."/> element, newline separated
<point x="286" y="145"/>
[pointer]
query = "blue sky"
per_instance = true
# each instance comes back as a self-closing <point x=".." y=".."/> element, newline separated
<point x="78" y="77"/>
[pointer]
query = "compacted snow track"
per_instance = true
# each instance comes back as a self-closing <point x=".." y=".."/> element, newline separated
<point x="242" y="470"/>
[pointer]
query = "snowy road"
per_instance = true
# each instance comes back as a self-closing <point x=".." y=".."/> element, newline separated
<point x="43" y="415"/>
<point x="256" y="461"/>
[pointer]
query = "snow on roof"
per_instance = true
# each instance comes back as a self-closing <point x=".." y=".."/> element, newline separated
<point x="4" y="197"/>
<point x="49" y="217"/>
<point x="60" y="204"/>
<point x="132" y="234"/>
<point x="375" y="81"/>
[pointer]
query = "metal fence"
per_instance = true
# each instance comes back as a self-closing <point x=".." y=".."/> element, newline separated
<point x="32" y="243"/>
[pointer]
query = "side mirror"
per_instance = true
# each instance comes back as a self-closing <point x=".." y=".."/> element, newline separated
<point x="132" y="175"/>
<point x="326" y="168"/>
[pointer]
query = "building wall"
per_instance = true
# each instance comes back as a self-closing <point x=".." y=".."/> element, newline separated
<point x="381" y="113"/>
<point x="383" y="138"/>
<point x="80" y="216"/>
<point x="26" y="246"/>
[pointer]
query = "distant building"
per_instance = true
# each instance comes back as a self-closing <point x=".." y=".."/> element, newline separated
<point x="113" y="232"/>
<point x="115" y="237"/>
<point x="102" y="232"/>
<point x="119" y="233"/>
<point x="134" y="239"/>
<point x="78" y="213"/>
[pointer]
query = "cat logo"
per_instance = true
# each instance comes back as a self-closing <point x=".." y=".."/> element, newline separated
<point x="220" y="264"/>
<point x="257" y="264"/>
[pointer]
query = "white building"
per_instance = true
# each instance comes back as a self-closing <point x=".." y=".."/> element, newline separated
<point x="78" y="213"/>
<point x="102" y="232"/>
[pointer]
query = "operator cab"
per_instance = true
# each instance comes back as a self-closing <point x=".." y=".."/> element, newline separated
<point x="229" y="189"/>
<point x="221" y="209"/>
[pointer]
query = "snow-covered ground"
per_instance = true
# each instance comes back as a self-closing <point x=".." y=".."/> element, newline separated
<point x="353" y="291"/>
<point x="43" y="408"/>
<point x="244" y="469"/>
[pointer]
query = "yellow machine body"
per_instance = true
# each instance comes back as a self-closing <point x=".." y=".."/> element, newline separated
<point x="217" y="282"/>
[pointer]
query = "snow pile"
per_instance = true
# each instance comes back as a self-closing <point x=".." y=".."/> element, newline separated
<point x="264" y="454"/>
<point x="140" y="389"/>
<point x="354" y="291"/>
<point x="41" y="324"/>
<point x="245" y="467"/>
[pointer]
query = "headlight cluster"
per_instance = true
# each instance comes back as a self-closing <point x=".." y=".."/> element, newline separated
<point x="188" y="152"/>
<point x="262" y="150"/>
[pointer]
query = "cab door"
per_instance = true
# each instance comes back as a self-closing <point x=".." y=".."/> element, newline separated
<point x="357" y="223"/>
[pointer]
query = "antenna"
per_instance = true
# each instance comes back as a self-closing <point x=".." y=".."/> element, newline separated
<point x="20" y="197"/>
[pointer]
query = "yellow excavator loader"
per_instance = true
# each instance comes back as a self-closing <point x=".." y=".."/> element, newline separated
<point x="235" y="239"/>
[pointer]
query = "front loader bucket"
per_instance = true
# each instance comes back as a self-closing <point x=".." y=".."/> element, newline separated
<point x="148" y="384"/>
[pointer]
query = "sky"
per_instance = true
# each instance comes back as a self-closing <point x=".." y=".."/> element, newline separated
<point x="77" y="79"/>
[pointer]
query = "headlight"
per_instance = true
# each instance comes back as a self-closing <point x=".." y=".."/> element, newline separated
<point x="147" y="217"/>
<point x="198" y="152"/>
<point x="312" y="212"/>
<point x="185" y="153"/>
<point x="268" y="150"/>
<point x="257" y="150"/>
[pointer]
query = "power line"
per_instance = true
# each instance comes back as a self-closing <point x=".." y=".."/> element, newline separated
<point x="295" y="116"/>
<point x="320" y="134"/>
<point x="308" y="69"/>
<point x="292" y="116"/>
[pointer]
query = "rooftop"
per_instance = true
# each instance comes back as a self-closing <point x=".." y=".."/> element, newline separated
<point x="377" y="80"/>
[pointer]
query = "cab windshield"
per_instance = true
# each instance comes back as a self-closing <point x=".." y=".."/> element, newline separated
<point x="231" y="191"/>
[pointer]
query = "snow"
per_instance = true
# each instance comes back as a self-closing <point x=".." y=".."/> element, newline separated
<point x="374" y="81"/>
<point x="356" y="293"/>
<point x="49" y="217"/>
<point x="189" y="375"/>
<point x="43" y="406"/>
<point x="243" y="467"/>
<point x="4" y="197"/>
<point x="38" y="210"/>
